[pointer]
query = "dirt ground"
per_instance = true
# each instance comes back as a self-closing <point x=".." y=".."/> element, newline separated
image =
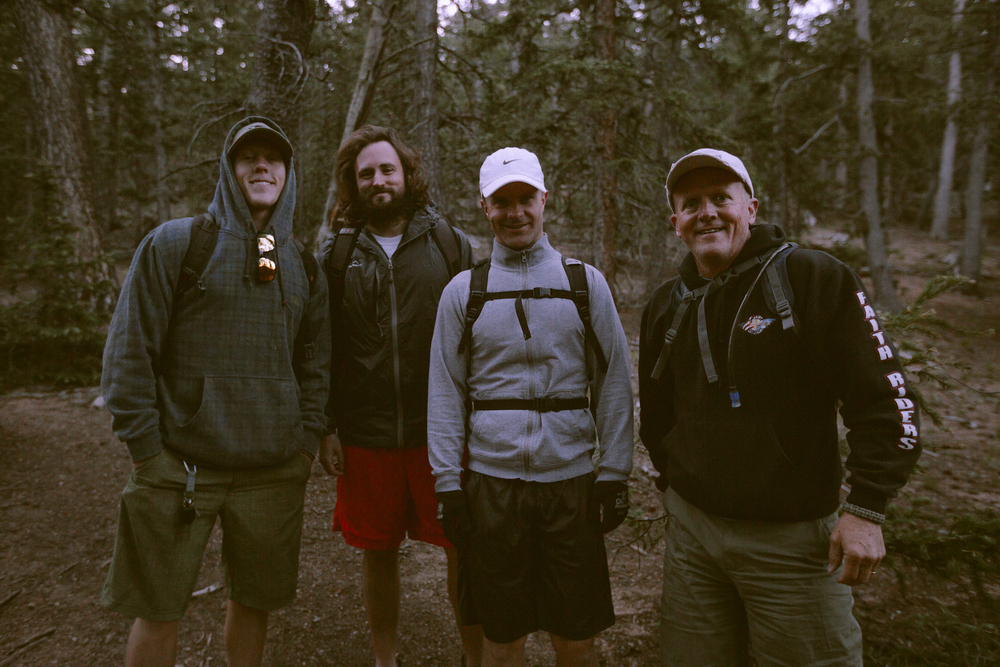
<point x="61" y="471"/>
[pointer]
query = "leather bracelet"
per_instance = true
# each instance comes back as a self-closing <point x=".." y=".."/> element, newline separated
<point x="870" y="515"/>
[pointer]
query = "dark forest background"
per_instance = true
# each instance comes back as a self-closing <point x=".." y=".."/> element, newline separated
<point x="879" y="118"/>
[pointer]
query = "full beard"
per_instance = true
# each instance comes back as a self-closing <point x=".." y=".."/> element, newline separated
<point x="377" y="214"/>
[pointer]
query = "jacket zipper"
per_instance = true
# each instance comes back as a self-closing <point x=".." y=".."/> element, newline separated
<point x="525" y="455"/>
<point x="395" y="357"/>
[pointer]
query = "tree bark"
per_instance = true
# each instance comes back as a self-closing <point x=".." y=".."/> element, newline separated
<point x="280" y="70"/>
<point x="606" y="220"/>
<point x="426" y="36"/>
<point x="942" y="198"/>
<point x="973" y="240"/>
<point x="154" y="94"/>
<point x="364" y="90"/>
<point x="55" y="98"/>
<point x="878" y="263"/>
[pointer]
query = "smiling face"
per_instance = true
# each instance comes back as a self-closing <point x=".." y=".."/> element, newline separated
<point x="714" y="214"/>
<point x="515" y="214"/>
<point x="260" y="173"/>
<point x="380" y="177"/>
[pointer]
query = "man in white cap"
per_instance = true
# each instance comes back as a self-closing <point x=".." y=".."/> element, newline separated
<point x="529" y="375"/>
<point x="743" y="359"/>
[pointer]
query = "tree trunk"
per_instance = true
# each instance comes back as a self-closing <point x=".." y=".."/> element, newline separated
<point x="606" y="220"/>
<point x="280" y="69"/>
<point x="942" y="198"/>
<point x="49" y="65"/>
<point x="154" y="94"/>
<point x="364" y="90"/>
<point x="972" y="243"/>
<point x="426" y="36"/>
<point x="878" y="263"/>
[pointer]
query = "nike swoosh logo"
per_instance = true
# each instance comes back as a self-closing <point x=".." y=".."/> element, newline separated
<point x="509" y="161"/>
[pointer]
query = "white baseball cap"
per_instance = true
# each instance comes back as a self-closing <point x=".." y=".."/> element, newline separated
<point x="706" y="157"/>
<point x="510" y="165"/>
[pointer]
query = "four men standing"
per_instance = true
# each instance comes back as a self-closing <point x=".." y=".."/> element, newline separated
<point x="518" y="398"/>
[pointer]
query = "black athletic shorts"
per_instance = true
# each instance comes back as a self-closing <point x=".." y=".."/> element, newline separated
<point x="534" y="560"/>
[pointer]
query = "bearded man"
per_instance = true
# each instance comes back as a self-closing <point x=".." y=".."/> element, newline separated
<point x="386" y="267"/>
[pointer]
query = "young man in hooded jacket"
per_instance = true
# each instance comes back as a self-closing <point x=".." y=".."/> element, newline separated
<point x="220" y="399"/>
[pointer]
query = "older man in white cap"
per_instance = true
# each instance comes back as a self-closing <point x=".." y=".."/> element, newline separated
<point x="743" y="360"/>
<point x="529" y="375"/>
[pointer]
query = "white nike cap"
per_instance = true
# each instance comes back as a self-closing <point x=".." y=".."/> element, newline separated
<point x="510" y="165"/>
<point x="707" y="157"/>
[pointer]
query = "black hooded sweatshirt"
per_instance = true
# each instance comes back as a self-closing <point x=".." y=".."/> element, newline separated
<point x="776" y="456"/>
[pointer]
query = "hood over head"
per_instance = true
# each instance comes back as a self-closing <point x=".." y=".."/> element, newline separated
<point x="229" y="207"/>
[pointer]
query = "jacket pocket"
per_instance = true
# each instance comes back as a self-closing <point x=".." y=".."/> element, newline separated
<point x="734" y="468"/>
<point x="244" y="421"/>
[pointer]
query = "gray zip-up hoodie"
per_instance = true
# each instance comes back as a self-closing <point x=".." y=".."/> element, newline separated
<point x="211" y="373"/>
<point x="554" y="363"/>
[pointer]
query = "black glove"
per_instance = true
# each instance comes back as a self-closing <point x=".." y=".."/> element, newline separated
<point x="454" y="516"/>
<point x="612" y="503"/>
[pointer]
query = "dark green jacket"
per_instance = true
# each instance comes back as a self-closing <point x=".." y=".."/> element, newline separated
<point x="211" y="374"/>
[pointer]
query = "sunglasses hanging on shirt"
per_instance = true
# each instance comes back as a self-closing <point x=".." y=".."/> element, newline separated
<point x="265" y="265"/>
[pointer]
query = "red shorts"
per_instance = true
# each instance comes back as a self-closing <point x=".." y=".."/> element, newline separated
<point x="386" y="495"/>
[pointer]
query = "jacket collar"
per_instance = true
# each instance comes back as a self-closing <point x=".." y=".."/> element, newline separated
<point x="763" y="237"/>
<point x="536" y="254"/>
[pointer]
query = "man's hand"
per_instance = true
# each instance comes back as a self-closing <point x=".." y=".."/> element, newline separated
<point x="613" y="505"/>
<point x="453" y="514"/>
<point x="858" y="543"/>
<point x="331" y="455"/>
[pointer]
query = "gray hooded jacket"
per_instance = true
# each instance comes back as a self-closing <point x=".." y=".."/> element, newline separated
<point x="211" y="374"/>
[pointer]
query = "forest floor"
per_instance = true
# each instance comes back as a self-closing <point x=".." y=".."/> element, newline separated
<point x="61" y="472"/>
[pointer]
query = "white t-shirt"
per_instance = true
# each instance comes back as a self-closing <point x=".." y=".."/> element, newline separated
<point x="388" y="243"/>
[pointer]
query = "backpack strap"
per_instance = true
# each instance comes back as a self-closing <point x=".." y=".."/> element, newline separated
<point x="778" y="293"/>
<point x="686" y="297"/>
<point x="477" y="297"/>
<point x="577" y="274"/>
<point x="204" y="236"/>
<point x="335" y="261"/>
<point x="447" y="242"/>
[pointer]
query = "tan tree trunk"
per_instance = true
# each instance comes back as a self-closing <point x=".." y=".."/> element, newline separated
<point x="49" y="66"/>
<point x="946" y="172"/>
<point x="364" y="90"/>
<point x="426" y="100"/>
<point x="972" y="244"/>
<point x="878" y="263"/>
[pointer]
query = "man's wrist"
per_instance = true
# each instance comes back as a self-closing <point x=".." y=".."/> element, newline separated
<point x="858" y="511"/>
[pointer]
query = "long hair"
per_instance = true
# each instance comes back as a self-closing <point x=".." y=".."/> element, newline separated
<point x="347" y="184"/>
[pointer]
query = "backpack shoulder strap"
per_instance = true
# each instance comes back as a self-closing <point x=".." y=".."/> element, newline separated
<point x="204" y="236"/>
<point x="477" y="297"/>
<point x="305" y="342"/>
<point x="778" y="293"/>
<point x="335" y="261"/>
<point x="446" y="239"/>
<point x="577" y="274"/>
<point x="684" y="296"/>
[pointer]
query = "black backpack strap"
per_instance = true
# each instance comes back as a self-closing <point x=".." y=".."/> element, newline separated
<point x="447" y="242"/>
<point x="477" y="297"/>
<point x="204" y="236"/>
<point x="686" y="297"/>
<point x="577" y="274"/>
<point x="336" y="258"/>
<point x="778" y="293"/>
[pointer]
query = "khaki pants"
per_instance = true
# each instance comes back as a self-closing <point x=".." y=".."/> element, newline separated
<point x="734" y="588"/>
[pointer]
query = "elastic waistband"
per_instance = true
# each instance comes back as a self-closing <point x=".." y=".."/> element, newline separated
<point x="536" y="404"/>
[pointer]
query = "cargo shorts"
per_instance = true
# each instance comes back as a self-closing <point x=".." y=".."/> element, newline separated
<point x="157" y="555"/>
